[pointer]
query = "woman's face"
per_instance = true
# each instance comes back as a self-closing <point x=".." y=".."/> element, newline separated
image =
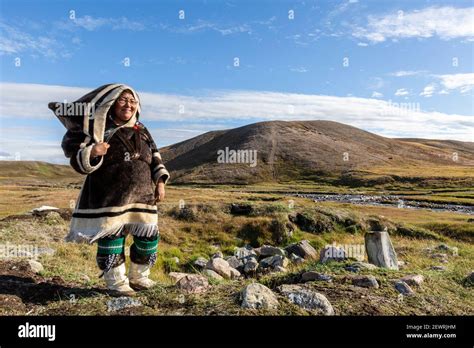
<point x="125" y="106"/>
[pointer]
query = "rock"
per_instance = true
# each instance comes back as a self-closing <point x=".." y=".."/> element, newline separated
<point x="332" y="253"/>
<point x="211" y="274"/>
<point x="312" y="276"/>
<point x="234" y="274"/>
<point x="306" y="298"/>
<point x="296" y="259"/>
<point x="401" y="264"/>
<point x="258" y="296"/>
<point x="119" y="303"/>
<point x="218" y="255"/>
<point x="193" y="284"/>
<point x="200" y="262"/>
<point x="268" y="250"/>
<point x="380" y="250"/>
<point x="35" y="266"/>
<point x="43" y="210"/>
<point x="302" y="249"/>
<point x="234" y="262"/>
<point x="454" y="251"/>
<point x="413" y="279"/>
<point x="274" y="261"/>
<point x="365" y="281"/>
<point x="403" y="288"/>
<point x="244" y="252"/>
<point x="176" y="276"/>
<point x="439" y="256"/>
<point x="220" y="266"/>
<point x="251" y="266"/>
<point x="175" y="260"/>
<point x="438" y="268"/>
<point x="357" y="266"/>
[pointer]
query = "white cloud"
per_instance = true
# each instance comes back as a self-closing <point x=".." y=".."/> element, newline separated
<point x="462" y="82"/>
<point x="94" y="23"/>
<point x="362" y="44"/>
<point x="16" y="41"/>
<point x="444" y="22"/>
<point x="428" y="91"/>
<point x="377" y="95"/>
<point x="401" y="92"/>
<point x="29" y="101"/>
<point x="403" y="73"/>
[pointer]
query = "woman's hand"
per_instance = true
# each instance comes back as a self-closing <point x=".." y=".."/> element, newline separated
<point x="99" y="149"/>
<point x="160" y="191"/>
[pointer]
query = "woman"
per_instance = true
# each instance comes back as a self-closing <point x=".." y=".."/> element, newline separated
<point x="125" y="178"/>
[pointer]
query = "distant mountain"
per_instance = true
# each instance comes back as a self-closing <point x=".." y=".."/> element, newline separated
<point x="303" y="150"/>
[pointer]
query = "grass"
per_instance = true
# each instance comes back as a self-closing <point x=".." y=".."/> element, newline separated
<point x="215" y="228"/>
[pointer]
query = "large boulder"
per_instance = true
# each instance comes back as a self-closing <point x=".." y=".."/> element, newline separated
<point x="302" y="249"/>
<point x="220" y="266"/>
<point x="307" y="298"/>
<point x="258" y="296"/>
<point x="244" y="252"/>
<point x="380" y="251"/>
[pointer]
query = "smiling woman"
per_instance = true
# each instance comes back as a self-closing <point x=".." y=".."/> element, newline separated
<point x="117" y="197"/>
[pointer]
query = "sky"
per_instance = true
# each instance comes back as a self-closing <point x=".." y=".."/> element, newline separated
<point x="396" y="68"/>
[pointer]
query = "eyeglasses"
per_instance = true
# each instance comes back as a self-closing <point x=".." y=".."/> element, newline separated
<point x="123" y="101"/>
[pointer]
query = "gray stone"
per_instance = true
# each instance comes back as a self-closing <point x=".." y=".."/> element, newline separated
<point x="268" y="250"/>
<point x="332" y="253"/>
<point x="312" y="276"/>
<point x="274" y="261"/>
<point x="193" y="284"/>
<point x="35" y="266"/>
<point x="220" y="266"/>
<point x="413" y="279"/>
<point x="251" y="266"/>
<point x="241" y="253"/>
<point x="234" y="262"/>
<point x="380" y="250"/>
<point x="200" y="262"/>
<point x="176" y="276"/>
<point x="119" y="303"/>
<point x="365" y="281"/>
<point x="403" y="288"/>
<point x="302" y="249"/>
<point x="258" y="296"/>
<point x="307" y="298"/>
<point x="296" y="259"/>
<point x="211" y="274"/>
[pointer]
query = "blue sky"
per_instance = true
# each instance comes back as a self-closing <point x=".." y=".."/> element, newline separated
<point x="348" y="61"/>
